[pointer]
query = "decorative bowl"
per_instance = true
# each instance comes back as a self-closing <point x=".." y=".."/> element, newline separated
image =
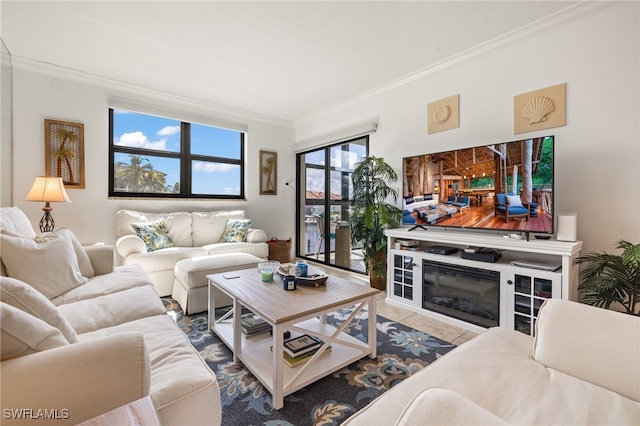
<point x="315" y="280"/>
<point x="272" y="264"/>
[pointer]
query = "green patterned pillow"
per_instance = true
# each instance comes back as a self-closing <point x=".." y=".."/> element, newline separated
<point x="154" y="234"/>
<point x="236" y="231"/>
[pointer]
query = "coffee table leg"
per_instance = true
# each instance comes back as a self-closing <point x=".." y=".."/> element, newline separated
<point x="373" y="319"/>
<point x="278" y="368"/>
<point x="237" y="337"/>
<point x="212" y="305"/>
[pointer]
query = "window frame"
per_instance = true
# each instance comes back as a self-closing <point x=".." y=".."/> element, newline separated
<point x="185" y="158"/>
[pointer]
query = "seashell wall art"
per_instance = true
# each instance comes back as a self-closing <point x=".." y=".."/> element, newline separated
<point x="443" y="114"/>
<point x="541" y="109"/>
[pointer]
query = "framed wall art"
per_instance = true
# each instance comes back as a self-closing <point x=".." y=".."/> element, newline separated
<point x="64" y="151"/>
<point x="443" y="114"/>
<point x="268" y="173"/>
<point x="540" y="109"/>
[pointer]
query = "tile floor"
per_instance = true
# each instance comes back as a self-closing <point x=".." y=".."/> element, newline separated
<point x="435" y="328"/>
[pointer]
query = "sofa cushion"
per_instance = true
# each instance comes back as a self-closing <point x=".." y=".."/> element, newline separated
<point x="236" y="231"/>
<point x="113" y="309"/>
<point x="122" y="278"/>
<point x="612" y="343"/>
<point x="22" y="296"/>
<point x="179" y="224"/>
<point x="164" y="259"/>
<point x="48" y="262"/>
<point x="23" y="334"/>
<point x="154" y="234"/>
<point x="208" y="227"/>
<point x="435" y="406"/>
<point x="495" y="371"/>
<point x="14" y="220"/>
<point x="180" y="379"/>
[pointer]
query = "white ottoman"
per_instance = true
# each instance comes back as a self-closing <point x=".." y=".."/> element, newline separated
<point x="190" y="283"/>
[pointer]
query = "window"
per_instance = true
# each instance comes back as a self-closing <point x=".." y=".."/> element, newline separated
<point x="152" y="156"/>
<point x="325" y="193"/>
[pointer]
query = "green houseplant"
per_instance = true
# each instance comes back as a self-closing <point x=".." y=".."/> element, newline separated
<point x="372" y="215"/>
<point x="612" y="279"/>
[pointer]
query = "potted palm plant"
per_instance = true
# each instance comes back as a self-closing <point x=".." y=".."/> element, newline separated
<point x="372" y="214"/>
<point x="612" y="279"/>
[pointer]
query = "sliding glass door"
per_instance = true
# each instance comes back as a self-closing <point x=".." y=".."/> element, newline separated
<point x="324" y="204"/>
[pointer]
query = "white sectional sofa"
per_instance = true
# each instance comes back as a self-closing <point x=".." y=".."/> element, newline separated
<point x="80" y="337"/>
<point x="192" y="234"/>
<point x="583" y="367"/>
<point x="415" y="202"/>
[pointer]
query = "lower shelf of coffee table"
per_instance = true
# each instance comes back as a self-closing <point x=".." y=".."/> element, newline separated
<point x="257" y="356"/>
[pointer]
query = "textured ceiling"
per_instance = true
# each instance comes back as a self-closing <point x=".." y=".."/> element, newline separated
<point x="284" y="60"/>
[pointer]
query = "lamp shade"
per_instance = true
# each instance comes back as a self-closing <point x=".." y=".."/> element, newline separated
<point x="48" y="189"/>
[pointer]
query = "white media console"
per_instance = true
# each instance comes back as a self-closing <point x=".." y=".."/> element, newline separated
<point x="475" y="294"/>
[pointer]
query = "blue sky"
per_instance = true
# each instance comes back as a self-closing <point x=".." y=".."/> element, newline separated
<point x="151" y="132"/>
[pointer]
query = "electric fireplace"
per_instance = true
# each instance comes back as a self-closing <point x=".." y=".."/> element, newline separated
<point x="462" y="292"/>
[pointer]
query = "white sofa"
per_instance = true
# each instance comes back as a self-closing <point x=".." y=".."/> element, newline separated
<point x="192" y="234"/>
<point x="583" y="367"/>
<point x="83" y="338"/>
<point x="415" y="202"/>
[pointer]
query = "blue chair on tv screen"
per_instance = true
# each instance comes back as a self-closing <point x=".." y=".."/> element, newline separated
<point x="510" y="205"/>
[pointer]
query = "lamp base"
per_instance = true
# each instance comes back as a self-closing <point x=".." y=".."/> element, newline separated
<point x="47" y="224"/>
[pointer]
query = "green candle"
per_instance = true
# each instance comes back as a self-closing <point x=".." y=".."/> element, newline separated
<point x="267" y="274"/>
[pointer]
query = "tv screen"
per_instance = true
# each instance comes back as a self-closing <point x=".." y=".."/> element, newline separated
<point x="504" y="186"/>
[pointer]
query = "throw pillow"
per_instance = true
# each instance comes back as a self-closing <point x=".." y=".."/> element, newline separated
<point x="48" y="263"/>
<point x="86" y="269"/>
<point x="22" y="296"/>
<point x="514" y="201"/>
<point x="208" y="227"/>
<point x="23" y="334"/>
<point x="408" y="200"/>
<point x="155" y="234"/>
<point x="236" y="231"/>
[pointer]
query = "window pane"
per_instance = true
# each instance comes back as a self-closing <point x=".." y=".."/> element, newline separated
<point x="215" y="178"/>
<point x="215" y="142"/>
<point x="145" y="173"/>
<point x="135" y="130"/>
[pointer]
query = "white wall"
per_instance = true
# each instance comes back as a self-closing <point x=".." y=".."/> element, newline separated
<point x="91" y="215"/>
<point x="597" y="153"/>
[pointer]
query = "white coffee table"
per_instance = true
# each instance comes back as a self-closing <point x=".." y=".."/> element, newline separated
<point x="300" y="311"/>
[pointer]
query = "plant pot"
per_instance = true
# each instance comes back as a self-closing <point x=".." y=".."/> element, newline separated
<point x="377" y="263"/>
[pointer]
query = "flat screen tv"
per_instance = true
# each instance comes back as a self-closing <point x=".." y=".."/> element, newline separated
<point x="505" y="186"/>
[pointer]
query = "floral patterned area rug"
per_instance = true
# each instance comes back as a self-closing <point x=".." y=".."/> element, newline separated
<point x="401" y="351"/>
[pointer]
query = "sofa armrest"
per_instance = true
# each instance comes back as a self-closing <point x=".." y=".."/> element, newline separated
<point x="256" y="236"/>
<point x="130" y="244"/>
<point x="80" y="381"/>
<point x="102" y="257"/>
<point x="593" y="344"/>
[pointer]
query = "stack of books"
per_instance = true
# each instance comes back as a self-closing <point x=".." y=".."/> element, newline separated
<point x="253" y="324"/>
<point x="300" y="349"/>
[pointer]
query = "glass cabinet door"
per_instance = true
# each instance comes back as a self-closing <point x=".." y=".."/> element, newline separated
<point x="403" y="277"/>
<point x="530" y="292"/>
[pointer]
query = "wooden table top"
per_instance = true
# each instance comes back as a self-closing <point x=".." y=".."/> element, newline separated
<point x="276" y="305"/>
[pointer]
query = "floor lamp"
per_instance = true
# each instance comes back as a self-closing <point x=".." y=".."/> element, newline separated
<point x="48" y="189"/>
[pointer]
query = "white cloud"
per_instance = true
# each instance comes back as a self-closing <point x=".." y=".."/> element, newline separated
<point x="140" y="140"/>
<point x="213" y="167"/>
<point x="168" y="131"/>
<point x="229" y="190"/>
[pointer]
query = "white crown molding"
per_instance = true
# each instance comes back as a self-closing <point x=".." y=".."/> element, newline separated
<point x="564" y="17"/>
<point x="123" y="89"/>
